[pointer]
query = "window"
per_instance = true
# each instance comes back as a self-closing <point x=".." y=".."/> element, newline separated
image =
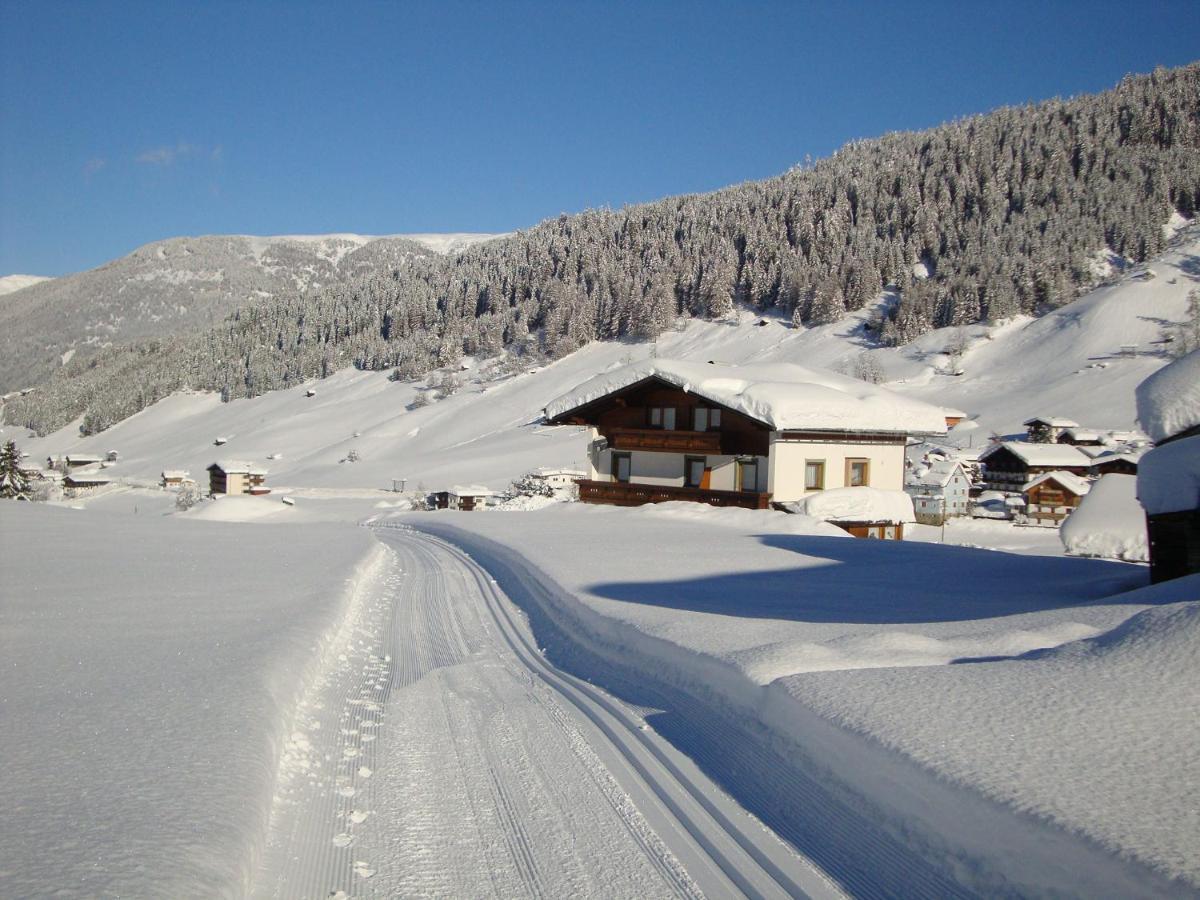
<point x="747" y="475"/>
<point x="693" y="471"/>
<point x="814" y="475"/>
<point x="662" y="417"/>
<point x="622" y="465"/>
<point x="706" y="419"/>
<point x="858" y="472"/>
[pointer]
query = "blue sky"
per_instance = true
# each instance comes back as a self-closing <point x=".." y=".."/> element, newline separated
<point x="123" y="123"/>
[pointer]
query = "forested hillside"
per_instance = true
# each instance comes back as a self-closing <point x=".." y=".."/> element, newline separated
<point x="978" y="219"/>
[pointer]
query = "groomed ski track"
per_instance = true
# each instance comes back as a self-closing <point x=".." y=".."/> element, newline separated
<point x="439" y="753"/>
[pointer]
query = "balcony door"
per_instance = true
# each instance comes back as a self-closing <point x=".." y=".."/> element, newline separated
<point x="622" y="467"/>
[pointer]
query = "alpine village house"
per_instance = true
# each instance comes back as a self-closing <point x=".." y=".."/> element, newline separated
<point x="748" y="436"/>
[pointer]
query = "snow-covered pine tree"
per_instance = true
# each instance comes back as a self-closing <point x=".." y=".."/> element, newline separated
<point x="13" y="483"/>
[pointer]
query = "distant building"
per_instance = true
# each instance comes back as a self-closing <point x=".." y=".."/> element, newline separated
<point x="940" y="492"/>
<point x="558" y="478"/>
<point x="1122" y="461"/>
<point x="1081" y="437"/>
<point x="1011" y="465"/>
<point x="953" y="416"/>
<point x="231" y="477"/>
<point x="1052" y="497"/>
<point x="76" y="484"/>
<point x="174" y="477"/>
<point x="1047" y="429"/>
<point x="465" y="498"/>
<point x="78" y="460"/>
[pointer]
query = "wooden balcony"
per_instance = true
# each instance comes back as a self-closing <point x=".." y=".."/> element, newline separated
<point x="664" y="440"/>
<point x="620" y="493"/>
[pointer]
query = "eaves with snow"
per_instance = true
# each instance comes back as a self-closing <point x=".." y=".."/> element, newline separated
<point x="782" y="396"/>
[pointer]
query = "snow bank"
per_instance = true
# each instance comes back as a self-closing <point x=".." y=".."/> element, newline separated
<point x="1109" y="522"/>
<point x="859" y="504"/>
<point x="1168" y="478"/>
<point x="739" y="616"/>
<point x="1168" y="402"/>
<point x="781" y="395"/>
<point x="151" y="669"/>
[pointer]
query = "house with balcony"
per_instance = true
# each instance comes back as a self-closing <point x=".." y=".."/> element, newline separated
<point x="1011" y="465"/>
<point x="231" y="477"/>
<point x="745" y="436"/>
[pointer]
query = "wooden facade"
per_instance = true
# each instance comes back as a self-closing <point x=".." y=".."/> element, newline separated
<point x="880" y="531"/>
<point x="1004" y="470"/>
<point x="618" y="493"/>
<point x="1049" y="502"/>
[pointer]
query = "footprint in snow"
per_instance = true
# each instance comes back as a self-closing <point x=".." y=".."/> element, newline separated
<point x="362" y="869"/>
<point x="350" y="752"/>
<point x="347" y="791"/>
<point x="364" y="772"/>
<point x="343" y="840"/>
<point x="358" y="816"/>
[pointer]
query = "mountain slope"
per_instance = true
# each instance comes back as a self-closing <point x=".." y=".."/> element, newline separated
<point x="170" y="287"/>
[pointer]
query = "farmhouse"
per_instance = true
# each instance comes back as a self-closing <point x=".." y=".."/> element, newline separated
<point x="172" y="478"/>
<point x="79" y="460"/>
<point x="940" y="492"/>
<point x="557" y="478"/>
<point x="1122" y="461"/>
<point x="1047" y="429"/>
<point x="230" y="477"/>
<point x="1081" y="437"/>
<point x="76" y="484"/>
<point x="1052" y="497"/>
<point x="1011" y="465"/>
<point x="1168" y="484"/>
<point x="738" y="435"/>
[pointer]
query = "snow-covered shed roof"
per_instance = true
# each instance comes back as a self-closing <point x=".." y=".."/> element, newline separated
<point x="783" y="396"/>
<point x="939" y="474"/>
<point x="238" y="467"/>
<point x="83" y="459"/>
<point x="174" y="474"/>
<point x="1041" y="454"/>
<point x="1169" y="477"/>
<point x="471" y="490"/>
<point x="1073" y="483"/>
<point x="1052" y="421"/>
<point x="858" y="504"/>
<point x="1168" y="402"/>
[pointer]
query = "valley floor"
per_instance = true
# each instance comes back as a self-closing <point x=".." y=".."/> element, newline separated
<point x="580" y="701"/>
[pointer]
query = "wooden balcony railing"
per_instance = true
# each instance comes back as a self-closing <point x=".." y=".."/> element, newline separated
<point x="662" y="439"/>
<point x="621" y="493"/>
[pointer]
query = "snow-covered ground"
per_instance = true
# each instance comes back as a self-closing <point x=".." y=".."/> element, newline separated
<point x="149" y="672"/>
<point x="1071" y="691"/>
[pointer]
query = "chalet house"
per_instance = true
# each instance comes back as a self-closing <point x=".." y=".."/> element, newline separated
<point x="1168" y="485"/>
<point x="173" y="478"/>
<point x="1052" y="497"/>
<point x="1047" y="429"/>
<point x="76" y="484"/>
<point x="1011" y="465"/>
<point x="953" y="416"/>
<point x="940" y="492"/>
<point x="465" y="498"/>
<point x="231" y="477"/>
<point x="557" y="478"/>
<point x="1122" y="461"/>
<point x="745" y="436"/>
<point x="1081" y="437"/>
<point x="79" y="460"/>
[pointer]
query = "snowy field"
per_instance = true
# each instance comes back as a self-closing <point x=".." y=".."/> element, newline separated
<point x="151" y="668"/>
<point x="1031" y="681"/>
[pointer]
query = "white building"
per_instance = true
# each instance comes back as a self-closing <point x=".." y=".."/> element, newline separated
<point x="738" y="435"/>
<point x="558" y="478"/>
<point x="940" y="492"/>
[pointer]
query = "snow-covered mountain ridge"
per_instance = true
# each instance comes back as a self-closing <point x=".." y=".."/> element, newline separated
<point x="171" y="286"/>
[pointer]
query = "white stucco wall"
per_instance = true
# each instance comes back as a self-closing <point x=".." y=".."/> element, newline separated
<point x="788" y="458"/>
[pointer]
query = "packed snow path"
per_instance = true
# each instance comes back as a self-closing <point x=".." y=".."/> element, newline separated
<point x="439" y="754"/>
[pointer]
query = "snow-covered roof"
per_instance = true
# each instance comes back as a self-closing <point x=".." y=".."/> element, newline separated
<point x="857" y="504"/>
<point x="1132" y="454"/>
<point x="548" y="471"/>
<point x="88" y="478"/>
<point x="1082" y="434"/>
<point x="83" y="458"/>
<point x="1052" y="421"/>
<point x="938" y="474"/>
<point x="174" y="474"/>
<point x="1168" y="402"/>
<point x="951" y="413"/>
<point x="238" y="467"/>
<point x="1073" y="483"/>
<point x="471" y="490"/>
<point x="1041" y="454"/>
<point x="1168" y="478"/>
<point x="1108" y="523"/>
<point x="783" y="396"/>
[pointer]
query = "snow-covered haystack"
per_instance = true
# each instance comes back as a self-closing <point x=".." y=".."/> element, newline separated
<point x="1168" y="402"/>
<point x="858" y="504"/>
<point x="1109" y="522"/>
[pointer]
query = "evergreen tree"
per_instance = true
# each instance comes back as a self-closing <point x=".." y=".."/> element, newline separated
<point x="13" y="483"/>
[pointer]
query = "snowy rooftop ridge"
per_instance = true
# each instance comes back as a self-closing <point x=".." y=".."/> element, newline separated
<point x="783" y="396"/>
<point x="938" y="474"/>
<point x="1168" y="402"/>
<point x="1042" y="454"/>
<point x="1073" y="483"/>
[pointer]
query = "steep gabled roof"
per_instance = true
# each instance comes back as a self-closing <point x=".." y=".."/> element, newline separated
<point x="1073" y="483"/>
<point x="1041" y="454"/>
<point x="782" y="396"/>
<point x="1052" y="421"/>
<point x="939" y="474"/>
